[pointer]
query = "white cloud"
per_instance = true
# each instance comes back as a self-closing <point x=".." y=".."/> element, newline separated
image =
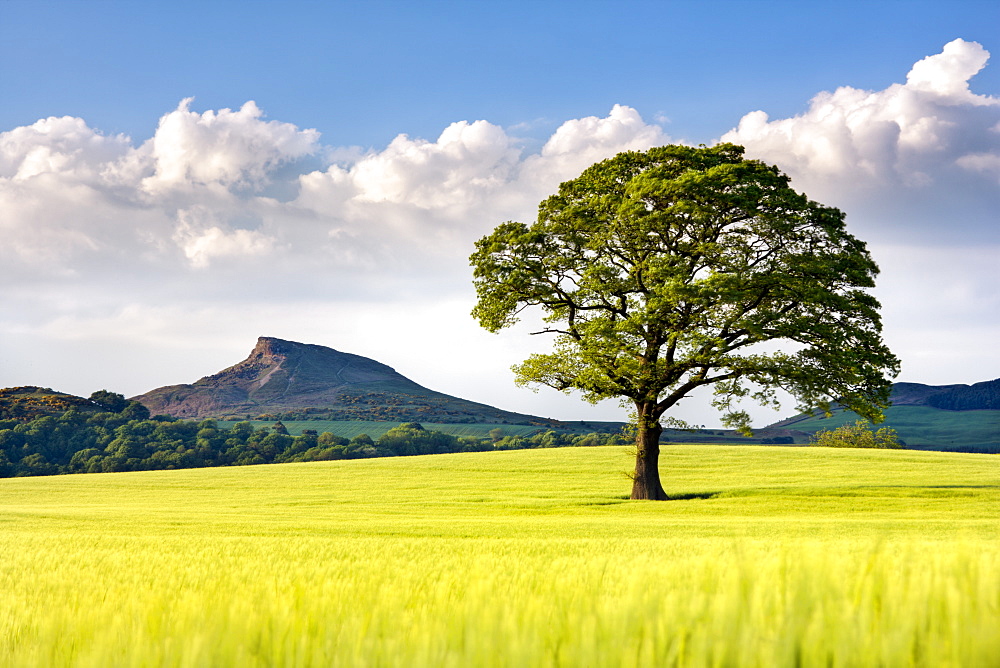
<point x="50" y="181"/>
<point x="418" y="202"/>
<point x="196" y="193"/>
<point x="63" y="148"/>
<point x="77" y="202"/>
<point x="987" y="163"/>
<point x="203" y="238"/>
<point x="946" y="75"/>
<point x="466" y="160"/>
<point x="579" y="143"/>
<point x="225" y="148"/>
<point x="907" y="159"/>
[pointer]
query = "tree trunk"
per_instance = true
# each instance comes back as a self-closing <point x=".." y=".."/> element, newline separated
<point x="646" y="481"/>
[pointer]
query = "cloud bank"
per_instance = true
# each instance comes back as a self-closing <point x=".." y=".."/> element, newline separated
<point x="225" y="225"/>
<point x="230" y="189"/>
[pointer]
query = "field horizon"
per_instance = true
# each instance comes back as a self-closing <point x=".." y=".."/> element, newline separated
<point x="764" y="557"/>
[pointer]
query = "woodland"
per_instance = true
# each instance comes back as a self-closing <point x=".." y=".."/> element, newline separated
<point x="119" y="435"/>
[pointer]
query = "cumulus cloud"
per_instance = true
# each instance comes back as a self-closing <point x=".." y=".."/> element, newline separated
<point x="63" y="148"/>
<point x="579" y="143"/>
<point x="435" y="197"/>
<point x="986" y="163"/>
<point x="225" y="148"/>
<point x="198" y="191"/>
<point x="946" y="75"/>
<point x="77" y="202"/>
<point x="906" y="159"/>
<point x="471" y="162"/>
<point x="203" y="238"/>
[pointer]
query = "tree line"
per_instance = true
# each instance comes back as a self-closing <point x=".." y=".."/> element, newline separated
<point x="126" y="438"/>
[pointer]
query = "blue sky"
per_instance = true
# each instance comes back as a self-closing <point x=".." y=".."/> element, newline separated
<point x="152" y="239"/>
<point x="362" y="73"/>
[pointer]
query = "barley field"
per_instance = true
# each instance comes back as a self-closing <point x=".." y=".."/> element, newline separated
<point x="765" y="557"/>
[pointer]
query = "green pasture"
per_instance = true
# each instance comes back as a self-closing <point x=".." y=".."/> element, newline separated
<point x="923" y="426"/>
<point x="375" y="429"/>
<point x="765" y="557"/>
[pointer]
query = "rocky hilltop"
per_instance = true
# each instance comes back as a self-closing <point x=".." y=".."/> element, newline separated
<point x="287" y="379"/>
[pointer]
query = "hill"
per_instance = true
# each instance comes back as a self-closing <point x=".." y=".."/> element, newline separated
<point x="286" y="379"/>
<point x="962" y="418"/>
<point x="920" y="427"/>
<point x="30" y="402"/>
<point x="976" y="397"/>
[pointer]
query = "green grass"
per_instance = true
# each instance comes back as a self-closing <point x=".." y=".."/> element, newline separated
<point x="375" y="428"/>
<point x="925" y="426"/>
<point x="768" y="557"/>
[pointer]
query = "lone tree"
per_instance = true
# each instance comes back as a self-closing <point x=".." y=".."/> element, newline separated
<point x="663" y="271"/>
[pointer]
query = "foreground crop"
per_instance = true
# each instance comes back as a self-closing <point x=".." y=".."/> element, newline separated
<point x="768" y="557"/>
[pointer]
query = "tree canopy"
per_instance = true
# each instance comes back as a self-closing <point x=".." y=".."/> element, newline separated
<point x="109" y="401"/>
<point x="662" y="271"/>
<point x="79" y="442"/>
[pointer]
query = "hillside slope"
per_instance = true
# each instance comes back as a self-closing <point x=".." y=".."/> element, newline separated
<point x="931" y="417"/>
<point x="922" y="427"/>
<point x="975" y="397"/>
<point x="282" y="378"/>
<point x="30" y="402"/>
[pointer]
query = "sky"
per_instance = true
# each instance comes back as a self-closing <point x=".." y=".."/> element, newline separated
<point x="178" y="179"/>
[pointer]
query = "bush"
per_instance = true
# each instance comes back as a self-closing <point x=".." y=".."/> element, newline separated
<point x="857" y="435"/>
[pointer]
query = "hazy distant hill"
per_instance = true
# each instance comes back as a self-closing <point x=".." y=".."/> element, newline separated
<point x="282" y="378"/>
<point x="984" y="396"/>
<point x="977" y="397"/>
<point x="938" y="417"/>
<point x="918" y="394"/>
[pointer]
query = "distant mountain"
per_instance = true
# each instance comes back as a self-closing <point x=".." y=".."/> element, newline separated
<point x="287" y="379"/>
